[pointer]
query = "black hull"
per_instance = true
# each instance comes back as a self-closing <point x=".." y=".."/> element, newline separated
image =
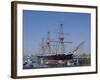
<point x="58" y="57"/>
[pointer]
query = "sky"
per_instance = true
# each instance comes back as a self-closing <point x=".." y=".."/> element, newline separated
<point x="36" y="24"/>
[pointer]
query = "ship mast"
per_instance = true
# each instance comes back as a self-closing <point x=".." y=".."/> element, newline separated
<point x="61" y="38"/>
<point x="48" y="43"/>
<point x="43" y="46"/>
<point x="60" y="41"/>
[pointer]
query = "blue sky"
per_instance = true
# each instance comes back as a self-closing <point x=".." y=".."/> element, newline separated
<point x="37" y="23"/>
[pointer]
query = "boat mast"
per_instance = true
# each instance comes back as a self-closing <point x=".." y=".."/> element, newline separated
<point x="43" y="46"/>
<point x="61" y="38"/>
<point x="48" y="43"/>
<point x="60" y="41"/>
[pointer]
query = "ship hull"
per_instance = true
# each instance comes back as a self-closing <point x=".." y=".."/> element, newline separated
<point x="56" y="59"/>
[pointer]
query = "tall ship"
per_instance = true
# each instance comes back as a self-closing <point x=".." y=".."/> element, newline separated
<point x="54" y="53"/>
